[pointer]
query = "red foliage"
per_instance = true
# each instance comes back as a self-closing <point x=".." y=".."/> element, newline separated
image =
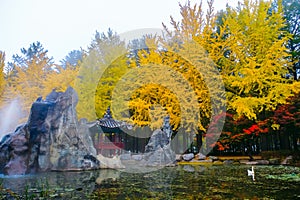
<point x="237" y="130"/>
<point x="288" y="115"/>
<point x="256" y="129"/>
<point x="242" y="129"/>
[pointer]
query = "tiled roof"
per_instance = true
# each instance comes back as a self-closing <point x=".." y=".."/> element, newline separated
<point x="107" y="121"/>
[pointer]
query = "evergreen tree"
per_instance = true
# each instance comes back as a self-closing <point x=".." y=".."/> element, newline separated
<point x="103" y="51"/>
<point x="291" y="11"/>
<point x="72" y="59"/>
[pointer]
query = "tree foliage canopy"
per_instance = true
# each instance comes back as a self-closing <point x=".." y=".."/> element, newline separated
<point x="240" y="58"/>
<point x="250" y="50"/>
<point x="101" y="58"/>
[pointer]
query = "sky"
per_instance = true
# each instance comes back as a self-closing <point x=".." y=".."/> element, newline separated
<point x="65" y="25"/>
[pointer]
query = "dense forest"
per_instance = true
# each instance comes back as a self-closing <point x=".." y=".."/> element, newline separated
<point x="236" y="69"/>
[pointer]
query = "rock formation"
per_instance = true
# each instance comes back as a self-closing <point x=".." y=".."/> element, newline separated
<point x="110" y="163"/>
<point x="52" y="139"/>
<point x="158" y="151"/>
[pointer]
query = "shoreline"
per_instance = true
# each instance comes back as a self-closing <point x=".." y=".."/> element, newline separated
<point x="238" y="160"/>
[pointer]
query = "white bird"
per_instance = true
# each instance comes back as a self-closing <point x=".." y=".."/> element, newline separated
<point x="251" y="173"/>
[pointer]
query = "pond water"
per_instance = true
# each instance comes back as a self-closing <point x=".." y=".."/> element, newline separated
<point x="180" y="182"/>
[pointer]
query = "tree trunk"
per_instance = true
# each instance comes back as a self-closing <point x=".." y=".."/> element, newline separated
<point x="284" y="141"/>
<point x="199" y="140"/>
<point x="295" y="139"/>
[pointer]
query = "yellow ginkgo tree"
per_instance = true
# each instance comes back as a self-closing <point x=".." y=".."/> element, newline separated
<point x="27" y="79"/>
<point x="178" y="51"/>
<point x="249" y="50"/>
<point x="60" y="79"/>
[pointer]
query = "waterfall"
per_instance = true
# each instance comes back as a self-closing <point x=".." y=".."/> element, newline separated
<point x="10" y="116"/>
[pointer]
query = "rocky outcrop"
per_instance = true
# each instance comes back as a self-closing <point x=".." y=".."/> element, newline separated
<point x="52" y="139"/>
<point x="158" y="151"/>
<point x="110" y="163"/>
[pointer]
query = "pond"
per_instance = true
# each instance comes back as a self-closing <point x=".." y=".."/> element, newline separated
<point x="180" y="182"/>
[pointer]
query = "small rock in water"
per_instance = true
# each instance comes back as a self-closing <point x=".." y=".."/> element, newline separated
<point x="274" y="161"/>
<point x="178" y="157"/>
<point x="252" y="163"/>
<point x="243" y="161"/>
<point x="218" y="162"/>
<point x="53" y="195"/>
<point x="206" y="161"/>
<point x="287" y="160"/>
<point x="188" y="168"/>
<point x="263" y="162"/>
<point x="214" y="158"/>
<point x="201" y="156"/>
<point x="188" y="157"/>
<point x="228" y="162"/>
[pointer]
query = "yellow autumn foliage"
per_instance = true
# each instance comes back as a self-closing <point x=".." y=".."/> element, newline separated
<point x="204" y="96"/>
<point x="36" y="78"/>
<point x="2" y="80"/>
<point x="28" y="82"/>
<point x="250" y="50"/>
<point x="60" y="79"/>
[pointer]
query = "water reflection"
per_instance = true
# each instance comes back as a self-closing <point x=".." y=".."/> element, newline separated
<point x="63" y="184"/>
<point x="181" y="182"/>
<point x="107" y="175"/>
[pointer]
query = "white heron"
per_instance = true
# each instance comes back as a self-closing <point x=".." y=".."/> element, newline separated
<point x="251" y="173"/>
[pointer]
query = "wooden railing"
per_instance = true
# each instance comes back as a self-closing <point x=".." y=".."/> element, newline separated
<point x="113" y="147"/>
<point x="110" y="145"/>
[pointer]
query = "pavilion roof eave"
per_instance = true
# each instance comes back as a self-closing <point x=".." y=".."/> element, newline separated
<point x="109" y="124"/>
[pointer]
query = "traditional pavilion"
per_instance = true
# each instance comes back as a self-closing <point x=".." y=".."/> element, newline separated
<point x="109" y="140"/>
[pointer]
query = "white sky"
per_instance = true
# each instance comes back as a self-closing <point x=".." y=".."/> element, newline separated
<point x="65" y="25"/>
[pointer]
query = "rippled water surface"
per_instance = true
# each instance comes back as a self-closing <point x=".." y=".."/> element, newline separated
<point x="180" y="182"/>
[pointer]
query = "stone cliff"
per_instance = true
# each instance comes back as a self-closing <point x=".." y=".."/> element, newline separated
<point x="52" y="139"/>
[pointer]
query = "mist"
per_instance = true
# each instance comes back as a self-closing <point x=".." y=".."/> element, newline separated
<point x="11" y="116"/>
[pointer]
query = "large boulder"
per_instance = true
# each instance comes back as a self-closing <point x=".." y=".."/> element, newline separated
<point x="52" y="139"/>
<point x="111" y="163"/>
<point x="158" y="151"/>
